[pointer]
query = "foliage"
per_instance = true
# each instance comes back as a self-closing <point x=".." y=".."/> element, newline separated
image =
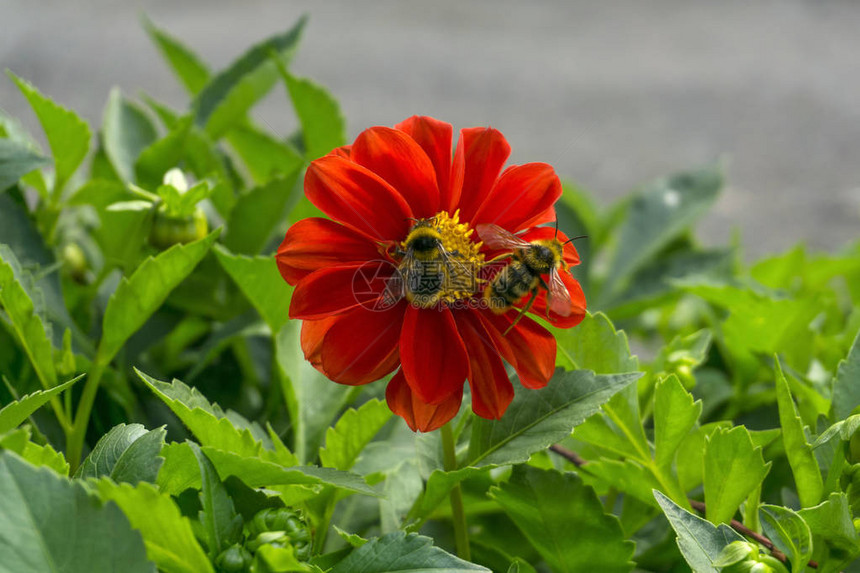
<point x="732" y="441"/>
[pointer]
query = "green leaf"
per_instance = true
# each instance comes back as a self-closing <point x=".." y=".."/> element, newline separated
<point x="832" y="521"/>
<point x="675" y="414"/>
<point x="626" y="476"/>
<point x="67" y="134"/>
<point x="138" y="297"/>
<point x="594" y="345"/>
<point x="207" y="422"/>
<point x="255" y="471"/>
<point x="323" y="125"/>
<point x="221" y="524"/>
<point x="263" y="155"/>
<point x="804" y="466"/>
<point x="52" y="524"/>
<point x="262" y="284"/>
<point x="733" y="468"/>
<point x="403" y="553"/>
<point x="258" y="213"/>
<point x="699" y="541"/>
<point x="185" y="64"/>
<point x="16" y="160"/>
<point x="658" y="214"/>
<point x="18" y="441"/>
<point x="230" y="94"/>
<point x="126" y="132"/>
<point x="353" y="431"/>
<point x="162" y="155"/>
<point x="31" y="332"/>
<point x="16" y="412"/>
<point x="537" y="419"/>
<point x="548" y="505"/>
<point x="846" y="390"/>
<point x="789" y="533"/>
<point x="167" y="534"/>
<point x="127" y="453"/>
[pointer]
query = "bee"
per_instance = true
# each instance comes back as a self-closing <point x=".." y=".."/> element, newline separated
<point x="427" y="268"/>
<point x="524" y="274"/>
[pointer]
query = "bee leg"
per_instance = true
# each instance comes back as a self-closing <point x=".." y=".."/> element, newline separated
<point x="524" y="310"/>
<point x="500" y="257"/>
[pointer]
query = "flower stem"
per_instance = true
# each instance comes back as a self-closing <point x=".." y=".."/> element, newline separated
<point x="75" y="442"/>
<point x="458" y="515"/>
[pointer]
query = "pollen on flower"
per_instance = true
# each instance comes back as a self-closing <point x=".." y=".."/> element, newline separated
<point x="448" y="270"/>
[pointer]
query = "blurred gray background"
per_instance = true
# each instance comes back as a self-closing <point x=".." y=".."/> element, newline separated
<point x="611" y="93"/>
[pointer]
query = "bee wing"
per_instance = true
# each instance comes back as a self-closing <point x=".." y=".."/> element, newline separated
<point x="559" y="297"/>
<point x="497" y="238"/>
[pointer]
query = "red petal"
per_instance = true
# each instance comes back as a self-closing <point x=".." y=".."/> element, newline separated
<point x="313" y="332"/>
<point x="335" y="290"/>
<point x="492" y="391"/>
<point x="434" y="137"/>
<point x="361" y="345"/>
<point x="485" y="151"/>
<point x="577" y="303"/>
<point x="522" y="194"/>
<point x="316" y="243"/>
<point x="420" y="416"/>
<point x="432" y="353"/>
<point x="400" y="161"/>
<point x="352" y="194"/>
<point x="342" y="151"/>
<point x="529" y="347"/>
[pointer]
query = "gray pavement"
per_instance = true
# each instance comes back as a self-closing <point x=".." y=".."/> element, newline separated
<point x="612" y="93"/>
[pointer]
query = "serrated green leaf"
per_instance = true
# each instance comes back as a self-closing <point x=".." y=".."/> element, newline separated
<point x="254" y="471"/>
<point x="538" y="418"/>
<point x="548" y="505"/>
<point x="209" y="425"/>
<point x="38" y="455"/>
<point x="595" y="345"/>
<point x="733" y="468"/>
<point x="31" y="332"/>
<point x="16" y="412"/>
<point x="626" y="476"/>
<point x="261" y="283"/>
<point x="16" y="160"/>
<point x="804" y="466"/>
<point x="658" y="214"/>
<point x="263" y="155"/>
<point x="353" y="431"/>
<point x="700" y="542"/>
<point x="675" y="414"/>
<point x="439" y="485"/>
<point x="789" y="533"/>
<point x="67" y="134"/>
<point x="258" y="213"/>
<point x="832" y="521"/>
<point x="126" y="132"/>
<point x="139" y="296"/>
<point x="403" y="553"/>
<point x="846" y="390"/>
<point x="231" y="93"/>
<point x="323" y="125"/>
<point x="50" y="522"/>
<point x="167" y="534"/>
<point x="126" y="454"/>
<point x="221" y="524"/>
<point x="193" y="73"/>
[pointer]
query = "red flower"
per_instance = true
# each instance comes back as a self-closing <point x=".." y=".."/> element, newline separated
<point x="357" y="329"/>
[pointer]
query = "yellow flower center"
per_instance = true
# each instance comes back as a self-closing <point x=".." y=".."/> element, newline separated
<point x="441" y="262"/>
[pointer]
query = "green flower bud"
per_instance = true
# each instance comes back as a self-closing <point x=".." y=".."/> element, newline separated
<point x="75" y="263"/>
<point x="234" y="559"/>
<point x="168" y="230"/>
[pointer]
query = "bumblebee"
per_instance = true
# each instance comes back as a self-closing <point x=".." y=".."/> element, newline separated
<point x="524" y="274"/>
<point x="427" y="268"/>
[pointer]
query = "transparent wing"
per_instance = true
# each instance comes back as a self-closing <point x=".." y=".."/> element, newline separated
<point x="497" y="238"/>
<point x="559" y="297"/>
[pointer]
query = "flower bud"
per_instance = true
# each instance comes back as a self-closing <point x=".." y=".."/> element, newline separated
<point x="168" y="230"/>
<point x="234" y="559"/>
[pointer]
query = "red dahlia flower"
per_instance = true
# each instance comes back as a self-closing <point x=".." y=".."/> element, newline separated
<point x="359" y="328"/>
